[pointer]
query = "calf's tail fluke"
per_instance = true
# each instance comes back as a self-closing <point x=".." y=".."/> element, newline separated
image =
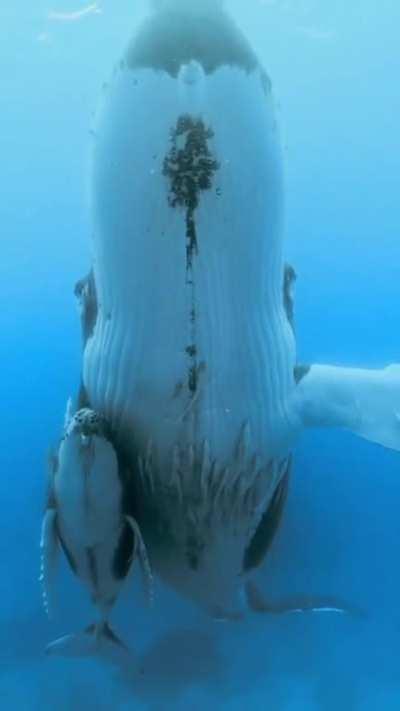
<point x="96" y="640"/>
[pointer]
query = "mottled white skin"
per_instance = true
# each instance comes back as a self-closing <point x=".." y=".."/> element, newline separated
<point x="88" y="492"/>
<point x="85" y="514"/>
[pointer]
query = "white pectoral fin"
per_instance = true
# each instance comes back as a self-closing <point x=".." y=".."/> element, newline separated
<point x="69" y="413"/>
<point x="366" y="402"/>
<point x="321" y="604"/>
<point x="141" y="552"/>
<point x="49" y="548"/>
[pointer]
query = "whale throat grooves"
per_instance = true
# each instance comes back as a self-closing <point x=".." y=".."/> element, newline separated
<point x="190" y="167"/>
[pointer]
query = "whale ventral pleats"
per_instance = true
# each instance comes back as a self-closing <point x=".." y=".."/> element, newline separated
<point x="172" y="38"/>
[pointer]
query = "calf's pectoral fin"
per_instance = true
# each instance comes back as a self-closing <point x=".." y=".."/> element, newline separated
<point x="49" y="548"/>
<point x="141" y="553"/>
<point x="258" y="603"/>
<point x="366" y="402"/>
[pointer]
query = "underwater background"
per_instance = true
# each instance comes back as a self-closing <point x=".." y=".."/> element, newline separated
<point x="335" y="72"/>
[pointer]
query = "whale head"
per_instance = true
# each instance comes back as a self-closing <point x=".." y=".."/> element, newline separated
<point x="178" y="32"/>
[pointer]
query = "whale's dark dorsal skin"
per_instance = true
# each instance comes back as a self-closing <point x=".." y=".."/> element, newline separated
<point x="268" y="526"/>
<point x="174" y="38"/>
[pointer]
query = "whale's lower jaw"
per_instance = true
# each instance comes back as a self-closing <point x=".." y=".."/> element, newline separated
<point x="198" y="517"/>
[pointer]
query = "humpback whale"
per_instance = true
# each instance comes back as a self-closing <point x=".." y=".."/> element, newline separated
<point x="189" y="349"/>
<point x="88" y="516"/>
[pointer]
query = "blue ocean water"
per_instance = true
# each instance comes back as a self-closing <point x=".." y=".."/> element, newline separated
<point x="335" y="73"/>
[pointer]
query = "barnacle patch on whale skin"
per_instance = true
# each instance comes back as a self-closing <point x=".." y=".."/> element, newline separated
<point x="190" y="167"/>
<point x="87" y="422"/>
<point x="170" y="39"/>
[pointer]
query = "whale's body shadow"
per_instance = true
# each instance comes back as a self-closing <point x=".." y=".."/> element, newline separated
<point x="181" y="660"/>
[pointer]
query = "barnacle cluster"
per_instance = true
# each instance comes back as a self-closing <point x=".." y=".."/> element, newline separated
<point x="190" y="167"/>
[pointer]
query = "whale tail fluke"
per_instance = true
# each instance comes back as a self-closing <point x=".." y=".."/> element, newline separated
<point x="96" y="640"/>
<point x="298" y="604"/>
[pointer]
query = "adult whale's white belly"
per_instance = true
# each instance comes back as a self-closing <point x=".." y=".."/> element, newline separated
<point x="191" y="356"/>
<point x="192" y="340"/>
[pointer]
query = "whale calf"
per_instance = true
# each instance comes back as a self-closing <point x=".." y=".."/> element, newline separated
<point x="189" y="350"/>
<point x="88" y="517"/>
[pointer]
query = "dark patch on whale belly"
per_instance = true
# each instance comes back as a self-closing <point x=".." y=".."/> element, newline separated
<point x="288" y="302"/>
<point x="123" y="553"/>
<point x="83" y="398"/>
<point x="268" y="526"/>
<point x="85" y="291"/>
<point x="194" y="550"/>
<point x="266" y="83"/>
<point x="71" y="561"/>
<point x="190" y="167"/>
<point x="92" y="566"/>
<point x="289" y="278"/>
<point x="170" y="39"/>
<point x="300" y="372"/>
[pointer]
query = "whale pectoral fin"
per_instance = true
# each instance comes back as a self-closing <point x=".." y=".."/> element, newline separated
<point x="366" y="402"/>
<point x="69" y="413"/>
<point x="141" y="553"/>
<point x="49" y="547"/>
<point x="298" y="604"/>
